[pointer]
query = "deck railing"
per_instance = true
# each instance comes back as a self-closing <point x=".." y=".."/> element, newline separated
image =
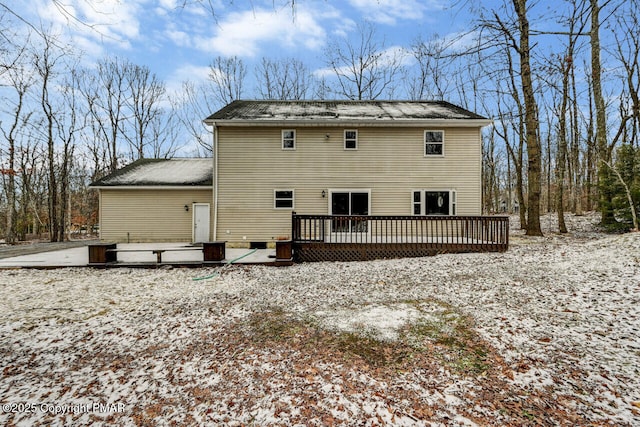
<point x="339" y="237"/>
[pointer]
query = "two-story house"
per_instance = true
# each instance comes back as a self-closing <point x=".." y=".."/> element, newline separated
<point x="341" y="157"/>
<point x="272" y="158"/>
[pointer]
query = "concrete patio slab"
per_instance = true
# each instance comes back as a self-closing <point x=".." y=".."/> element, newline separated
<point x="79" y="256"/>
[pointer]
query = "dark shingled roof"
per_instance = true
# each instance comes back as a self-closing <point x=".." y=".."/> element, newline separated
<point x="161" y="172"/>
<point x="379" y="111"/>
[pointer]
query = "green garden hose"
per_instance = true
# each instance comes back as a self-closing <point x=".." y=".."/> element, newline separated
<point x="217" y="273"/>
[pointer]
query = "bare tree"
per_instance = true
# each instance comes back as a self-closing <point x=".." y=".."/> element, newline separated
<point x="45" y="62"/>
<point x="627" y="52"/>
<point x="604" y="155"/>
<point x="283" y="79"/>
<point x="365" y="69"/>
<point x="227" y="76"/>
<point x="566" y="65"/>
<point x="20" y="80"/>
<point x="576" y="168"/>
<point x="145" y="94"/>
<point x="510" y="104"/>
<point x="105" y="91"/>
<point x="163" y="134"/>
<point x="193" y="103"/>
<point x="490" y="185"/>
<point x="11" y="51"/>
<point x="511" y="130"/>
<point x="69" y="121"/>
<point x="431" y="76"/>
<point x="523" y="47"/>
<point x="32" y="212"/>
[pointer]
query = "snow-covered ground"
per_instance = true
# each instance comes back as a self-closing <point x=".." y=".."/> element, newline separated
<point x="547" y="333"/>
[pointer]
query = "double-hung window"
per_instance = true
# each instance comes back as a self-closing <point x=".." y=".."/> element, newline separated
<point x="434" y="143"/>
<point x="434" y="202"/>
<point x="289" y="139"/>
<point x="283" y="199"/>
<point x="350" y="139"/>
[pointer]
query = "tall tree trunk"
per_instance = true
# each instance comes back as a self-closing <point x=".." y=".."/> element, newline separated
<point x="575" y="148"/>
<point x="45" y="63"/>
<point x="562" y="146"/>
<point x="10" y="234"/>
<point x="52" y="183"/>
<point x="604" y="174"/>
<point x="548" y="177"/>
<point x="531" y="122"/>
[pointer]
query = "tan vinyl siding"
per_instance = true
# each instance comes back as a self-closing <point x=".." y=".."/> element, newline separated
<point x="388" y="161"/>
<point x="149" y="215"/>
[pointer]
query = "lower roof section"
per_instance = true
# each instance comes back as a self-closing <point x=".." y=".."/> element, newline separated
<point x="178" y="172"/>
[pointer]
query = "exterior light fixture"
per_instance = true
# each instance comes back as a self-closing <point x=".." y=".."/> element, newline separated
<point x="324" y="194"/>
<point x="186" y="208"/>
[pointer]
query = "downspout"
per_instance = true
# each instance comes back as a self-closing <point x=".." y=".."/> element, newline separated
<point x="215" y="182"/>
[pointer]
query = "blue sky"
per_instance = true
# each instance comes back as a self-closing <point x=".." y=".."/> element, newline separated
<point x="178" y="43"/>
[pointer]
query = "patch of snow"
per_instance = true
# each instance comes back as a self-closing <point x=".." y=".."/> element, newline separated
<point x="385" y="111"/>
<point x="381" y="321"/>
<point x="167" y="172"/>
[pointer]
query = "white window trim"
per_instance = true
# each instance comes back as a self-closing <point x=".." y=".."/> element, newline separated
<point x="293" y="198"/>
<point x="345" y="140"/>
<point x="453" y="200"/>
<point x="295" y="143"/>
<point x="424" y="141"/>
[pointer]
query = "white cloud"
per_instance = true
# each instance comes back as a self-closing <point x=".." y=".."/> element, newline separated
<point x="187" y="72"/>
<point x="246" y="33"/>
<point x="179" y="38"/>
<point x="91" y="23"/>
<point x="390" y="11"/>
<point x="344" y="27"/>
<point x="168" y="4"/>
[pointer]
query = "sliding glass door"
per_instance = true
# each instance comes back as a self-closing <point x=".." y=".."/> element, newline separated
<point x="352" y="202"/>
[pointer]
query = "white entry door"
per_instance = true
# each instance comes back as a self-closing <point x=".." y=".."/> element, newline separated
<point x="200" y="222"/>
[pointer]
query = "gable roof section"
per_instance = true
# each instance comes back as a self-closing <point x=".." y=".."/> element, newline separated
<point x="161" y="173"/>
<point x="342" y="112"/>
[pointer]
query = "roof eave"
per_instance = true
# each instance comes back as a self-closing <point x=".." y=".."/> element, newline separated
<point x="350" y="122"/>
<point x="152" y="187"/>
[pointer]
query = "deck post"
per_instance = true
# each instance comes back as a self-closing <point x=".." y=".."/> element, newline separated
<point x="99" y="254"/>
<point x="213" y="252"/>
<point x="284" y="252"/>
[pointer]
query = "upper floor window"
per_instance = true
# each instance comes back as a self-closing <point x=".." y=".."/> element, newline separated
<point x="350" y="139"/>
<point x="434" y="143"/>
<point x="289" y="139"/>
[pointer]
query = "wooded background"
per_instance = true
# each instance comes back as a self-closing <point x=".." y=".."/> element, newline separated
<point x="561" y="85"/>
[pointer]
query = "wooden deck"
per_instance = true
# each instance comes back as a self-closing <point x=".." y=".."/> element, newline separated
<point x="353" y="238"/>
